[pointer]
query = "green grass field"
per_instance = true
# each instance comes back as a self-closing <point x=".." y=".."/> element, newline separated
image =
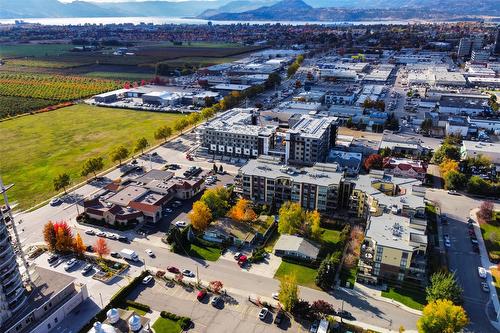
<point x="491" y="236"/>
<point x="37" y="148"/>
<point x="33" y="50"/>
<point x="413" y="299"/>
<point x="305" y="275"/>
<point x="164" y="325"/>
<point x="205" y="252"/>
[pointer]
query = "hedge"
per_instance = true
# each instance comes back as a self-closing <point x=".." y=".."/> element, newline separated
<point x="184" y="322"/>
<point x="117" y="300"/>
<point x="137" y="305"/>
<point x="307" y="263"/>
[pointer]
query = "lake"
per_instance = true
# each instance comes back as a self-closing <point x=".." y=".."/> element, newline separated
<point x="178" y="20"/>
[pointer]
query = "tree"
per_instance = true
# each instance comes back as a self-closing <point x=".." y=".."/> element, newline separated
<point x="478" y="185"/>
<point x="101" y="247"/>
<point x="444" y="286"/>
<point x="78" y="245"/>
<point x="446" y="151"/>
<point x="442" y="316"/>
<point x="455" y="180"/>
<point x="49" y="235"/>
<point x="289" y="292"/>
<point x="61" y="182"/>
<point x="92" y="165"/>
<point x="426" y="125"/>
<point x="448" y="165"/>
<point x="374" y="161"/>
<point x="385" y="152"/>
<point x="301" y="309"/>
<point x="290" y="218"/>
<point x="217" y="200"/>
<point x="193" y="118"/>
<point x="141" y="144"/>
<point x="119" y="154"/>
<point x="242" y="211"/>
<point x="207" y="113"/>
<point x="313" y="221"/>
<point x="326" y="271"/>
<point x="163" y="133"/>
<point x="180" y="124"/>
<point x="216" y="286"/>
<point x="322" y="308"/>
<point x="64" y="237"/>
<point x="200" y="216"/>
<point x="485" y="212"/>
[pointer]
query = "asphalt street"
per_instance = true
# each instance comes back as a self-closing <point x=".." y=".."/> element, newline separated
<point x="462" y="259"/>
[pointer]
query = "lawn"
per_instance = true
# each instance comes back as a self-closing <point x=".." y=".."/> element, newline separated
<point x="205" y="252"/>
<point x="164" y="325"/>
<point x="33" y="50"/>
<point x="409" y="297"/>
<point x="36" y="148"/>
<point x="491" y="236"/>
<point x="138" y="311"/>
<point x="496" y="279"/>
<point x="305" y="275"/>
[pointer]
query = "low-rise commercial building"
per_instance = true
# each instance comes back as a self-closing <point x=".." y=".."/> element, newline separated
<point x="406" y="168"/>
<point x="474" y="149"/>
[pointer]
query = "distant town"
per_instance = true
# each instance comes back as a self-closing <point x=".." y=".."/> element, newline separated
<point x="249" y="178"/>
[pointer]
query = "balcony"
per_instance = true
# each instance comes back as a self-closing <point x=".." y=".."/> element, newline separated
<point x="8" y="269"/>
<point x="6" y="260"/>
<point x="8" y="279"/>
<point x="9" y="289"/>
<point x="15" y="295"/>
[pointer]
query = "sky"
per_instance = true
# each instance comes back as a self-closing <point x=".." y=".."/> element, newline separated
<point x="125" y="0"/>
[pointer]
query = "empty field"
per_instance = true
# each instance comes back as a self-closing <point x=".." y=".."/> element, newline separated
<point x="37" y="148"/>
<point x="32" y="50"/>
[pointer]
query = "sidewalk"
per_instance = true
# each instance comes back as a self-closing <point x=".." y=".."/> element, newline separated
<point x="486" y="263"/>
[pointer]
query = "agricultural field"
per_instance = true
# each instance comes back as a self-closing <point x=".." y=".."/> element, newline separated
<point x="61" y="140"/>
<point x="34" y="62"/>
<point x="11" y="106"/>
<point x="125" y="76"/>
<point x="39" y="88"/>
<point x="197" y="61"/>
<point x="33" y="50"/>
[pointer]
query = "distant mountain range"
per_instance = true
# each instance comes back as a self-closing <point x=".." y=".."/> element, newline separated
<point x="288" y="10"/>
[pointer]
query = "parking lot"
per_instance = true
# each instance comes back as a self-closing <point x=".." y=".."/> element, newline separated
<point x="235" y="314"/>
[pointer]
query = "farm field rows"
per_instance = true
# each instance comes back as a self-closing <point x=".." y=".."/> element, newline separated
<point x="120" y="75"/>
<point x="37" y="148"/>
<point x="11" y="105"/>
<point x="33" y="50"/>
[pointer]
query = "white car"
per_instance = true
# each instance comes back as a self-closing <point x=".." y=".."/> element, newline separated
<point x="168" y="210"/>
<point x="187" y="273"/>
<point x="149" y="252"/>
<point x="482" y="272"/>
<point x="276" y="296"/>
<point x="90" y="232"/>
<point x="263" y="313"/>
<point x="147" y="279"/>
<point x="181" y="224"/>
<point x="101" y="234"/>
<point x="55" y="202"/>
<point x="70" y="264"/>
<point x="112" y="236"/>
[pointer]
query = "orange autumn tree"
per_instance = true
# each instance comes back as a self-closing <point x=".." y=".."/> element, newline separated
<point x="64" y="237"/>
<point x="200" y="216"/>
<point x="78" y="245"/>
<point x="242" y="211"/>
<point x="101" y="247"/>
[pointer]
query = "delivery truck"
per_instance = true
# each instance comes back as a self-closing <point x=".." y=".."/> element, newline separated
<point x="129" y="255"/>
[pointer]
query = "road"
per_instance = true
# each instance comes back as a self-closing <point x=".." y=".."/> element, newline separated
<point x="462" y="259"/>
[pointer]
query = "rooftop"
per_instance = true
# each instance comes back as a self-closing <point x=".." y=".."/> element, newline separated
<point x="128" y="194"/>
<point x="395" y="231"/>
<point x="313" y="127"/>
<point x="297" y="244"/>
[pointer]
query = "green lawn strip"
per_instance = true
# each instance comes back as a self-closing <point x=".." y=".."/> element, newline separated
<point x="138" y="311"/>
<point x="411" y="298"/>
<point x="205" y="252"/>
<point x="272" y="240"/>
<point x="491" y="236"/>
<point x="36" y="148"/>
<point x="305" y="275"/>
<point x="164" y="325"/>
<point x="496" y="279"/>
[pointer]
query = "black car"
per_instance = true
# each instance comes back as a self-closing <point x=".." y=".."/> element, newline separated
<point x="123" y="239"/>
<point x="115" y="255"/>
<point x="89" y="248"/>
<point x="52" y="258"/>
<point x="475" y="247"/>
<point x="279" y="318"/>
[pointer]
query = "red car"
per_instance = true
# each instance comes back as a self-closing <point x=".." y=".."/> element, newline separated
<point x="173" y="269"/>
<point x="201" y="295"/>
<point x="242" y="260"/>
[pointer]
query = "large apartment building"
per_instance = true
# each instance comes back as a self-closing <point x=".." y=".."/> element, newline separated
<point x="13" y="295"/>
<point x="267" y="180"/>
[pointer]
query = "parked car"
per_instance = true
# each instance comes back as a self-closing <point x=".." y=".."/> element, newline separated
<point x="314" y="327"/>
<point x="149" y="252"/>
<point x="173" y="269"/>
<point x="473" y="240"/>
<point x="475" y="248"/>
<point x="55" y="202"/>
<point x="167" y="210"/>
<point x="344" y="314"/>
<point x="115" y="255"/>
<point x="201" y="295"/>
<point x="52" y="258"/>
<point x="70" y="264"/>
<point x="147" y="279"/>
<point x="176" y="204"/>
<point x="263" y="313"/>
<point x="181" y="224"/>
<point x="279" y="317"/>
<point x="216" y="301"/>
<point x="453" y="192"/>
<point x="87" y="269"/>
<point x="123" y="239"/>
<point x="101" y="234"/>
<point x="276" y="296"/>
<point x="90" y="232"/>
<point x="237" y="255"/>
<point x="482" y="272"/>
<point x="485" y="287"/>
<point x="188" y="273"/>
<point x="112" y="236"/>
<point x="89" y="248"/>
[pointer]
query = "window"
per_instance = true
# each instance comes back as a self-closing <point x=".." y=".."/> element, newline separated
<point x="378" y="256"/>
<point x="401" y="276"/>
<point x="404" y="260"/>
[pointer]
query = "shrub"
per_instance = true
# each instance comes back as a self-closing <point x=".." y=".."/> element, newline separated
<point x="137" y="305"/>
<point x="184" y="322"/>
